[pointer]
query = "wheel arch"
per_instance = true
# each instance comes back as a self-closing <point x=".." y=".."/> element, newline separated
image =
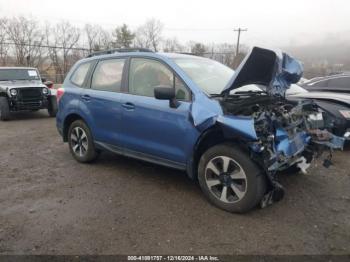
<point x="212" y="136"/>
<point x="68" y="121"/>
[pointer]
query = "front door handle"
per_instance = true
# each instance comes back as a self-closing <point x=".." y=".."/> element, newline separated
<point x="86" y="98"/>
<point x="128" y="106"/>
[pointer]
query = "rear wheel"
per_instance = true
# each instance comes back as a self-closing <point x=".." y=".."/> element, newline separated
<point x="230" y="179"/>
<point x="4" y="109"/>
<point x="80" y="142"/>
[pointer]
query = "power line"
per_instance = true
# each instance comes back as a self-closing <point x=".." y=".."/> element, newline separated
<point x="45" y="46"/>
<point x="195" y="29"/>
<point x="87" y="49"/>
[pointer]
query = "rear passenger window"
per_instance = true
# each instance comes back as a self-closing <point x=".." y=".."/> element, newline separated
<point x="108" y="75"/>
<point x="80" y="73"/>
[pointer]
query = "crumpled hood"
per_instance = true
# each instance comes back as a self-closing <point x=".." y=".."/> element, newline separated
<point x="21" y="84"/>
<point x="273" y="69"/>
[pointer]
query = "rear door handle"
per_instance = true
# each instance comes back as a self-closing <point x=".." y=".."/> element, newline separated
<point x="86" y="98"/>
<point x="128" y="106"/>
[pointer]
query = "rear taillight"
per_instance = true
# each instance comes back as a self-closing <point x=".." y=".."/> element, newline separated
<point x="59" y="93"/>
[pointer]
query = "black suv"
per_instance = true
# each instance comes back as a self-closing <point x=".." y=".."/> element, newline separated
<point x="21" y="89"/>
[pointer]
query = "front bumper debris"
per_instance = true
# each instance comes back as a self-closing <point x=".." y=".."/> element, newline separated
<point x="347" y="134"/>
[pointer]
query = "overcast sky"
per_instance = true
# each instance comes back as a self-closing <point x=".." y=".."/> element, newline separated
<point x="269" y="22"/>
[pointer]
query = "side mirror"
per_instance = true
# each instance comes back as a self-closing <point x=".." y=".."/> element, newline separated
<point x="43" y="79"/>
<point x="166" y="93"/>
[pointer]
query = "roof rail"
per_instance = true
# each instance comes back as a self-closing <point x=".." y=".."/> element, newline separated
<point x="119" y="50"/>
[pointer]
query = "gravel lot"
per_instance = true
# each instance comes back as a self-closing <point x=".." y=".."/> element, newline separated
<point x="50" y="204"/>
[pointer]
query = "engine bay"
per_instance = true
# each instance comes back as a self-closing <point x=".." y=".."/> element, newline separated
<point x="271" y="113"/>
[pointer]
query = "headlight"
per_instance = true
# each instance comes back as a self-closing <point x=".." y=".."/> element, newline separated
<point x="345" y="113"/>
<point x="45" y="91"/>
<point x="13" y="92"/>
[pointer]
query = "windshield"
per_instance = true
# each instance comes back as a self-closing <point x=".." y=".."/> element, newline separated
<point x="209" y="75"/>
<point x="18" y="74"/>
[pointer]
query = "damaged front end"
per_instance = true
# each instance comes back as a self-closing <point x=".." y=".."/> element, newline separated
<point x="289" y="134"/>
<point x="281" y="133"/>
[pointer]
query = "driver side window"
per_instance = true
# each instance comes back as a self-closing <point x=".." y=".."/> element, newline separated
<point x="147" y="74"/>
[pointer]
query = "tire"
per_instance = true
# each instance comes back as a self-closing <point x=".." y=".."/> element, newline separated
<point x="80" y="141"/>
<point x="52" y="107"/>
<point x="245" y="183"/>
<point x="4" y="109"/>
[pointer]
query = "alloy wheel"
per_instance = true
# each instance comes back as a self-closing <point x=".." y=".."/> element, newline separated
<point x="79" y="141"/>
<point x="226" y="179"/>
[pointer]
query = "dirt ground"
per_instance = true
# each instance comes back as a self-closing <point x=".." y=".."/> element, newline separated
<point x="50" y="204"/>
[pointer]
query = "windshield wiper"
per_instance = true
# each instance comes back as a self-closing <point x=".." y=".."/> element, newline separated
<point x="250" y="92"/>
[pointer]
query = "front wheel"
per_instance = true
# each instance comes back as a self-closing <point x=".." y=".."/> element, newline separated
<point x="80" y="142"/>
<point x="230" y="179"/>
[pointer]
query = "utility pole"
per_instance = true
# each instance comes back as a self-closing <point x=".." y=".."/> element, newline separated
<point x="239" y="30"/>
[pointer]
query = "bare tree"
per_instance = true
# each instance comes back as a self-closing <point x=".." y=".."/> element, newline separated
<point x="64" y="38"/>
<point x="105" y="41"/>
<point x="91" y="32"/>
<point x="149" y="35"/>
<point x="97" y="37"/>
<point x="68" y="36"/>
<point x="4" y="47"/>
<point x="172" y="45"/>
<point x="54" y="54"/>
<point x="224" y="53"/>
<point x="27" y="36"/>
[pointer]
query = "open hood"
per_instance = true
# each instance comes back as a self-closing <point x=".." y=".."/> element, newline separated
<point x="273" y="69"/>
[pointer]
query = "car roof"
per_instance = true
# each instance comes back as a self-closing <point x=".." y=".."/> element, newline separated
<point x="180" y="55"/>
<point x="144" y="54"/>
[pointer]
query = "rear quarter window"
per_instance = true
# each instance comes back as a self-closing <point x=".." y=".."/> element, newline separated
<point x="79" y="75"/>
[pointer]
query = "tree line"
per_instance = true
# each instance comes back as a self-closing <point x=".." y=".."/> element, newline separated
<point x="54" y="48"/>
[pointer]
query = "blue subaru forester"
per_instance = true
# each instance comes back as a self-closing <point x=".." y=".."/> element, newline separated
<point x="233" y="131"/>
